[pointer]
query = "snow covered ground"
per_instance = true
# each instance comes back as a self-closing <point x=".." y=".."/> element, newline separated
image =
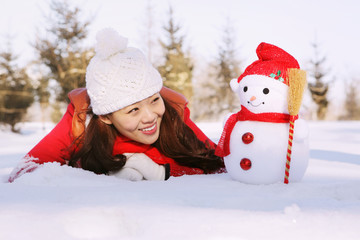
<point x="65" y="203"/>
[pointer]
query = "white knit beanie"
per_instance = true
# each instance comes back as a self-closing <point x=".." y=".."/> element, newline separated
<point x="118" y="76"/>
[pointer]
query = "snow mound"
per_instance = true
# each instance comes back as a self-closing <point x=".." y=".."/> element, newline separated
<point x="69" y="203"/>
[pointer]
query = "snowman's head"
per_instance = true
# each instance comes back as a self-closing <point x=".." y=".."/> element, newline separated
<point x="263" y="86"/>
<point x="260" y="94"/>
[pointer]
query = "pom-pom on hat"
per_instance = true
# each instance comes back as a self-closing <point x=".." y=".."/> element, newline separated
<point x="118" y="76"/>
<point x="273" y="62"/>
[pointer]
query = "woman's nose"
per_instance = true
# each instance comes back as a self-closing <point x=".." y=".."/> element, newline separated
<point x="148" y="115"/>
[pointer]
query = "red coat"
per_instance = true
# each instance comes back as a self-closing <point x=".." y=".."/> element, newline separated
<point x="52" y="148"/>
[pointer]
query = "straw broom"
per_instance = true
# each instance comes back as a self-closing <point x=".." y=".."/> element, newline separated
<point x="297" y="84"/>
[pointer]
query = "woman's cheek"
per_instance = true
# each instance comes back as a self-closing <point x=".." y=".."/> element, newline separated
<point x="161" y="109"/>
<point x="127" y="124"/>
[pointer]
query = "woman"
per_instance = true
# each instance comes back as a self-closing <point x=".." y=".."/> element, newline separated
<point x="125" y="123"/>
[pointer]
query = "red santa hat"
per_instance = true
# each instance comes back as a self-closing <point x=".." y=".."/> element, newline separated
<point x="273" y="62"/>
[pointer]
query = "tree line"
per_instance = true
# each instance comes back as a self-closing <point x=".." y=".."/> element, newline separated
<point x="61" y="62"/>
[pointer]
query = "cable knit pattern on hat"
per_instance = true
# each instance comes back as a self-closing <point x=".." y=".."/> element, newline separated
<point x="118" y="76"/>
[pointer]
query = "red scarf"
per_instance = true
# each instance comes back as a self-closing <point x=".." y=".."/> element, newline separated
<point x="126" y="145"/>
<point x="244" y="114"/>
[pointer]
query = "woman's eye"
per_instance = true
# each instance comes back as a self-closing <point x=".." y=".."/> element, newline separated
<point x="266" y="90"/>
<point x="245" y="89"/>
<point x="133" y="110"/>
<point x="156" y="99"/>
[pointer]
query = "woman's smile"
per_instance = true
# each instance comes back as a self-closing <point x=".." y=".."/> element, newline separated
<point x="149" y="130"/>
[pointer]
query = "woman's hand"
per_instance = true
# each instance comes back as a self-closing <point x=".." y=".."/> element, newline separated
<point x="22" y="168"/>
<point x="138" y="166"/>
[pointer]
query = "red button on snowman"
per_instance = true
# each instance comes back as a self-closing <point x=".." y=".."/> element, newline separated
<point x="266" y="142"/>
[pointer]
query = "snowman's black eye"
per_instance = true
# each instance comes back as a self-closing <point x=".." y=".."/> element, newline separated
<point x="266" y="90"/>
<point x="245" y="88"/>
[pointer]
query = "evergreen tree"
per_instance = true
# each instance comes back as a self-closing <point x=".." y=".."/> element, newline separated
<point x="177" y="70"/>
<point x="216" y="97"/>
<point x="41" y="86"/>
<point x="352" y="106"/>
<point x="319" y="88"/>
<point x="228" y="68"/>
<point x="16" y="91"/>
<point x="62" y="49"/>
<point x="43" y="94"/>
<point x="206" y="98"/>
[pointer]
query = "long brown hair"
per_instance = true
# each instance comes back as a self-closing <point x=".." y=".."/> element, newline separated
<point x="179" y="142"/>
<point x="176" y="141"/>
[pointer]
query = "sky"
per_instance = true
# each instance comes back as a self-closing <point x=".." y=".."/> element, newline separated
<point x="291" y="25"/>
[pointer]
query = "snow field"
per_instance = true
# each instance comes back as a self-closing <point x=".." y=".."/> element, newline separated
<point x="68" y="203"/>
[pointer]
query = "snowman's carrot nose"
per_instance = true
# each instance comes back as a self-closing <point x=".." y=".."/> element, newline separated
<point x="252" y="98"/>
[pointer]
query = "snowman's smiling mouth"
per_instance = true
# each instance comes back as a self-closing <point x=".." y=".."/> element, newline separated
<point x="255" y="105"/>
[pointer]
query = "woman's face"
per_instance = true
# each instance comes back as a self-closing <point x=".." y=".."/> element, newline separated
<point x="140" y="121"/>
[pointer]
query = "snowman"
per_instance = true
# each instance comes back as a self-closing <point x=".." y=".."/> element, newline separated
<point x="266" y="142"/>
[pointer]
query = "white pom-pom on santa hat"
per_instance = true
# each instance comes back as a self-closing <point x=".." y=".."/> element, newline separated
<point x="109" y="42"/>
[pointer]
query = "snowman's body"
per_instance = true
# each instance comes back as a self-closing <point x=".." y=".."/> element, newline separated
<point x="264" y="153"/>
